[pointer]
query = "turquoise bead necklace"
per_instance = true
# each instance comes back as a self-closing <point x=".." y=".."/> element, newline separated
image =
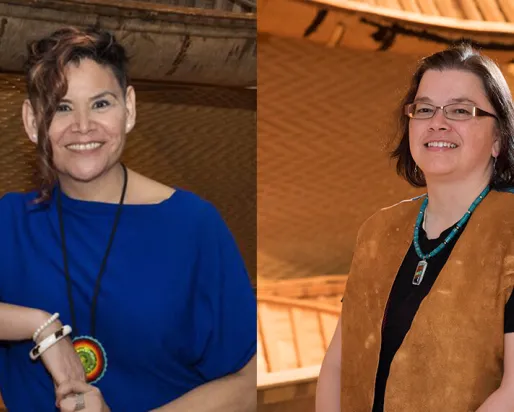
<point x="422" y="264"/>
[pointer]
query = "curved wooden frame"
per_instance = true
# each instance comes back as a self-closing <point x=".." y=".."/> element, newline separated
<point x="442" y="22"/>
<point x="355" y="25"/>
<point x="165" y="43"/>
<point x="294" y="309"/>
<point x="133" y="9"/>
<point x="290" y="389"/>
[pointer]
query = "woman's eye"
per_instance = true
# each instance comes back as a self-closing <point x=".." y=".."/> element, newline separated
<point x="101" y="104"/>
<point x="63" y="108"/>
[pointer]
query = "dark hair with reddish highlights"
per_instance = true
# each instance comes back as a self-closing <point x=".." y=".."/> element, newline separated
<point x="47" y="85"/>
<point x="462" y="57"/>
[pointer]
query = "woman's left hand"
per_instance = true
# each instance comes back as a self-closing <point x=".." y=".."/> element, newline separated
<point x="74" y="396"/>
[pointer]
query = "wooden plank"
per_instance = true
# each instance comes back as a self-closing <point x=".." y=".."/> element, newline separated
<point x="321" y="332"/>
<point x="295" y="331"/>
<point x="262" y="351"/>
<point x="288" y="377"/>
<point x="293" y="405"/>
<point x="507" y="8"/>
<point x="277" y="336"/>
<point x="308" y="338"/>
<point x="449" y="8"/>
<point x="329" y="323"/>
<point x="491" y="10"/>
<point x="410" y="5"/>
<point x="130" y="8"/>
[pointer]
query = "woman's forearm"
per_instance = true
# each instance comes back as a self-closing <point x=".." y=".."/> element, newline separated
<point x="328" y="391"/>
<point x="19" y="323"/>
<point x="232" y="393"/>
<point x="502" y="400"/>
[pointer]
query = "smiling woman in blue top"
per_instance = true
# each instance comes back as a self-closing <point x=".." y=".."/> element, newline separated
<point x="116" y="292"/>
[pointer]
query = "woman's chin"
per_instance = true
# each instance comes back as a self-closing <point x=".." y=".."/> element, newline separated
<point x="85" y="171"/>
<point x="439" y="173"/>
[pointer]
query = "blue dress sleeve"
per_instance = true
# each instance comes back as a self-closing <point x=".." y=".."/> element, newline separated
<point x="225" y="307"/>
<point x="6" y="239"/>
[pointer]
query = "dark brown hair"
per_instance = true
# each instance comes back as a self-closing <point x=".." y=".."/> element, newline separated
<point x="46" y="81"/>
<point x="462" y="57"/>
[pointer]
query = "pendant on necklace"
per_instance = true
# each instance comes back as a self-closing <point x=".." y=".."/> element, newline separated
<point x="420" y="272"/>
<point x="93" y="357"/>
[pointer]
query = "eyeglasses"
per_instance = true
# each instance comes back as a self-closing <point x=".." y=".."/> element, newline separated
<point x="454" y="111"/>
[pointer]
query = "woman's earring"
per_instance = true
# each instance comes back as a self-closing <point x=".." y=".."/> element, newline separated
<point x="418" y="173"/>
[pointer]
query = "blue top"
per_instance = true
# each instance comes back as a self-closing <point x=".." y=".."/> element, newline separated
<point x="175" y="310"/>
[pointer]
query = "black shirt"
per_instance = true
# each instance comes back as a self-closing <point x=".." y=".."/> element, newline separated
<point x="405" y="299"/>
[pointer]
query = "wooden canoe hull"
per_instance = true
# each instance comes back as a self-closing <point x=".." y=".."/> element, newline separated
<point x="296" y="322"/>
<point x="166" y="43"/>
<point x="339" y="23"/>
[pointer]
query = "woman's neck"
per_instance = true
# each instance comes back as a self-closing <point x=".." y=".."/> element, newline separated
<point x="106" y="188"/>
<point x="448" y="202"/>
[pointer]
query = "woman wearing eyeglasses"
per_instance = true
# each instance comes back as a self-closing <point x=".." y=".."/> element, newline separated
<point x="428" y="316"/>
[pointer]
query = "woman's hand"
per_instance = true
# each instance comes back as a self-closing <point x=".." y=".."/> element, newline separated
<point x="79" y="396"/>
<point x="61" y="360"/>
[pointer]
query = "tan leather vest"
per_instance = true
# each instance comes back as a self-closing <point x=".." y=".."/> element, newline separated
<point x="452" y="357"/>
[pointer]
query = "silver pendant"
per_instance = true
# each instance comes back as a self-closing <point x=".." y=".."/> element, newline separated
<point x="420" y="272"/>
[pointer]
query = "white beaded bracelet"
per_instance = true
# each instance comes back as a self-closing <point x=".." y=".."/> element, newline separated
<point x="50" y="340"/>
<point x="52" y="319"/>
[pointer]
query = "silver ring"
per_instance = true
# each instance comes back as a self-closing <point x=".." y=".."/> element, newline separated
<point x="80" y="402"/>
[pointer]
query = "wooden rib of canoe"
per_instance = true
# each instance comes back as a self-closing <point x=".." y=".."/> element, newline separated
<point x="296" y="322"/>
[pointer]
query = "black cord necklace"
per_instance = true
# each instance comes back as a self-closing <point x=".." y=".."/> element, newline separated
<point x="90" y="350"/>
